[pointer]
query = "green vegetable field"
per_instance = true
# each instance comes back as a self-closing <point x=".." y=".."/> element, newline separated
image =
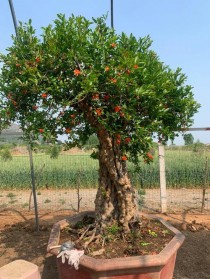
<point x="184" y="169"/>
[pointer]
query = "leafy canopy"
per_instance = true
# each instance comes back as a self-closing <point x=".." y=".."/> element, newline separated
<point x="81" y="77"/>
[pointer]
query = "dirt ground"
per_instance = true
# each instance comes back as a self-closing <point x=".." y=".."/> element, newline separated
<point x="19" y="240"/>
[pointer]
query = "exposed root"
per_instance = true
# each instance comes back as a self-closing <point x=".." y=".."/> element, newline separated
<point x="85" y="232"/>
<point x="103" y="241"/>
<point x="91" y="239"/>
<point x="92" y="233"/>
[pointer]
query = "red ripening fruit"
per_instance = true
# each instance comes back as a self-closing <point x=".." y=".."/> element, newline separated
<point x="149" y="156"/>
<point x="68" y="130"/>
<point x="77" y="72"/>
<point x="38" y="59"/>
<point x="41" y="130"/>
<point x="118" y="141"/>
<point x="107" y="69"/>
<point x="44" y="95"/>
<point x="72" y="116"/>
<point x="117" y="108"/>
<point x="122" y="114"/>
<point x="35" y="107"/>
<point x="113" y="80"/>
<point x="135" y="66"/>
<point x="95" y="96"/>
<point x="17" y="65"/>
<point x="98" y="112"/>
<point x="128" y="72"/>
<point x="118" y="136"/>
<point x="124" y="158"/>
<point x="127" y="140"/>
<point x="113" y="45"/>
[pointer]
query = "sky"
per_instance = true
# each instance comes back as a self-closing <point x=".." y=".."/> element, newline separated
<point x="180" y="30"/>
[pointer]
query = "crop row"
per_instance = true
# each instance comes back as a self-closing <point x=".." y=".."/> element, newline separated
<point x="183" y="169"/>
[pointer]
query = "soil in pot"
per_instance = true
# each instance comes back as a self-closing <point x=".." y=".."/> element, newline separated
<point x="147" y="237"/>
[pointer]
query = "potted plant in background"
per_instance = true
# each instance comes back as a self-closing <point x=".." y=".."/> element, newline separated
<point x="82" y="78"/>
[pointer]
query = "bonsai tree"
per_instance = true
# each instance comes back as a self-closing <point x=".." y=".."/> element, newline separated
<point x="82" y="78"/>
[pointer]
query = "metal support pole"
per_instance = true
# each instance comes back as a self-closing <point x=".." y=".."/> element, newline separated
<point x="13" y="17"/>
<point x="112" y="15"/>
<point x="33" y="186"/>
<point x="29" y="146"/>
<point x="163" y="195"/>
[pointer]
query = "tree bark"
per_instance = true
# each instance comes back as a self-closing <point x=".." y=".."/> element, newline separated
<point x="115" y="199"/>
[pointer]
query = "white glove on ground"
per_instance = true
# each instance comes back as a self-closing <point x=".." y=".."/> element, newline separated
<point x="72" y="257"/>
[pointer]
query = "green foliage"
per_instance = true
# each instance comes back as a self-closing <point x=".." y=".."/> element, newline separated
<point x="54" y="151"/>
<point x="47" y="201"/>
<point x="25" y="205"/>
<point x="143" y="243"/>
<point x="81" y="78"/>
<point x="11" y="195"/>
<point x="198" y="146"/>
<point x="153" y="234"/>
<point x="113" y="230"/>
<point x="6" y="155"/>
<point x="92" y="142"/>
<point x="188" y="139"/>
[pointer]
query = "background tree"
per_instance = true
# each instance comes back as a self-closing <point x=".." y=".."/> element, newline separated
<point x="188" y="139"/>
<point x="198" y="146"/>
<point x="81" y="78"/>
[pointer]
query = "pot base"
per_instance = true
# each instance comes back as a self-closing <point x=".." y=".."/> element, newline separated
<point x="159" y="266"/>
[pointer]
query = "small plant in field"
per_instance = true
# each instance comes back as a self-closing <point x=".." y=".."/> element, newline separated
<point x="153" y="234"/>
<point x="54" y="151"/>
<point x="11" y="195"/>
<point x="6" y="155"/>
<point x="62" y="201"/>
<point x="114" y="229"/>
<point x="25" y="205"/>
<point x="1" y="196"/>
<point x="12" y="201"/>
<point x="47" y="201"/>
<point x="143" y="243"/>
<point x="39" y="193"/>
<point x="164" y="232"/>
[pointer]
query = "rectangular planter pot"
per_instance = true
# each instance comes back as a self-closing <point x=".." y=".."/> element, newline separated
<point x="159" y="266"/>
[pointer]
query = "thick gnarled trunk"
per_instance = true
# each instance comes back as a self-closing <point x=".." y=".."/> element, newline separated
<point x="115" y="199"/>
